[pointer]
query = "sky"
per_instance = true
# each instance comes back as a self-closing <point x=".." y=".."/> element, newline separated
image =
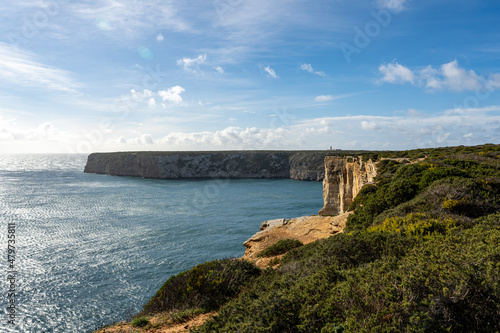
<point x="128" y="75"/>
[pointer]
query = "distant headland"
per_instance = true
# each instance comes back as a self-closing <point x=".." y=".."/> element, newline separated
<point x="299" y="165"/>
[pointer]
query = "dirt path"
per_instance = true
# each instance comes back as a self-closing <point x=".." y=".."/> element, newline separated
<point x="160" y="323"/>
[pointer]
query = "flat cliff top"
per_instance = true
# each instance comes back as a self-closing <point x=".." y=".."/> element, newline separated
<point x="294" y="164"/>
<point x="198" y="152"/>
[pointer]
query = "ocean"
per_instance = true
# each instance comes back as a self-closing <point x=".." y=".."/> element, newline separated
<point x="92" y="249"/>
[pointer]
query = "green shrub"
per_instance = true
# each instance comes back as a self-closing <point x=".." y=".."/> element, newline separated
<point x="140" y="321"/>
<point x="415" y="225"/>
<point x="282" y="246"/>
<point x="450" y="204"/>
<point x="489" y="221"/>
<point x="206" y="286"/>
<point x="431" y="175"/>
<point x="362" y="196"/>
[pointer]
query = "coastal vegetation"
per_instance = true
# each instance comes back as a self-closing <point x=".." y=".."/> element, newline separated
<point x="206" y="286"/>
<point x="420" y="253"/>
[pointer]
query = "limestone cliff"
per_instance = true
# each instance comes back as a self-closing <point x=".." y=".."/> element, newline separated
<point x="301" y="165"/>
<point x="344" y="178"/>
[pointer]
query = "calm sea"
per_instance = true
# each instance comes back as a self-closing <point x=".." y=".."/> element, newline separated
<point x="92" y="249"/>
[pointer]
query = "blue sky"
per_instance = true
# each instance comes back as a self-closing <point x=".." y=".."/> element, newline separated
<point x="89" y="76"/>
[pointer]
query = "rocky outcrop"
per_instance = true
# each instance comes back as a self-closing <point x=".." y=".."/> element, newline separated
<point x="344" y="178"/>
<point x="306" y="229"/>
<point x="301" y="165"/>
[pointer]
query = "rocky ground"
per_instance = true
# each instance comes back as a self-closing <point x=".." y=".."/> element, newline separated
<point x="306" y="229"/>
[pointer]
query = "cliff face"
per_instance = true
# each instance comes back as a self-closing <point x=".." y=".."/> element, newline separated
<point x="344" y="178"/>
<point x="303" y="165"/>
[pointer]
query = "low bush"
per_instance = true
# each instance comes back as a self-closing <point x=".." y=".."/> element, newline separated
<point x="282" y="246"/>
<point x="206" y="286"/>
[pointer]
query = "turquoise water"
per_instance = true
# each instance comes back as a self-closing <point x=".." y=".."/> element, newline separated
<point x="92" y="249"/>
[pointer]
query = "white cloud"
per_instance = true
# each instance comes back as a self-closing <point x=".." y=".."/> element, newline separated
<point x="21" y="68"/>
<point x="494" y="81"/>
<point x="454" y="78"/>
<point x="147" y="139"/>
<point x="160" y="37"/>
<point x="472" y="126"/>
<point x="192" y="64"/>
<point x="271" y="72"/>
<point x="429" y="78"/>
<point x="172" y="95"/>
<point x="449" y="76"/>
<point x="219" y="69"/>
<point x="327" y="98"/>
<point x="396" y="73"/>
<point x="394" y="5"/>
<point x="44" y="132"/>
<point x="324" y="98"/>
<point x="227" y="138"/>
<point x="138" y="96"/>
<point x="369" y="125"/>
<point x="309" y="68"/>
<point x="464" y="126"/>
